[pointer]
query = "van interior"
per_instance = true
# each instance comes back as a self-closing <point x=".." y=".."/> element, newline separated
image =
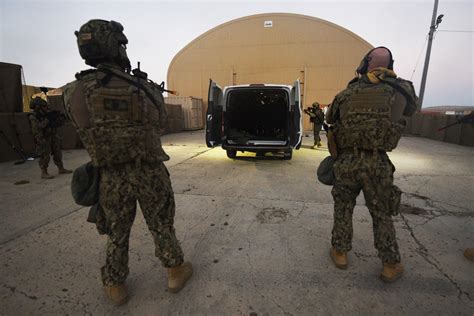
<point x="257" y="114"/>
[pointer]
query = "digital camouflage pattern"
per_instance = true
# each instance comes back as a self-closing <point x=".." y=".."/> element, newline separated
<point x="120" y="188"/>
<point x="123" y="121"/>
<point x="101" y="41"/>
<point x="47" y="140"/>
<point x="119" y="118"/>
<point x="366" y="118"/>
<point x="316" y="116"/>
<point x="373" y="174"/>
<point x="123" y="141"/>
<point x="366" y="122"/>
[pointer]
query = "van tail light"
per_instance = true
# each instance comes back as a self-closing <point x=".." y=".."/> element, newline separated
<point x="222" y="124"/>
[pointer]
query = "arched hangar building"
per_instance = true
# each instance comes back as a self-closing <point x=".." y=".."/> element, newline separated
<point x="270" y="48"/>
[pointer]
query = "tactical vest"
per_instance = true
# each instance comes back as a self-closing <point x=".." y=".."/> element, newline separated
<point x="365" y="121"/>
<point x="124" y="121"/>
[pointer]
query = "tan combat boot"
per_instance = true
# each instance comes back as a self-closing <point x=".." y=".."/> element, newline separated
<point x="45" y="174"/>
<point x="117" y="293"/>
<point x="469" y="254"/>
<point x="339" y="258"/>
<point x="391" y="272"/>
<point x="178" y="276"/>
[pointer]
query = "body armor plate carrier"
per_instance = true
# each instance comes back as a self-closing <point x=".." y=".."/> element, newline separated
<point x="366" y="124"/>
<point x="124" y="122"/>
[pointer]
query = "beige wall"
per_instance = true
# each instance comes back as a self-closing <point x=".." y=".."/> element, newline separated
<point x="321" y="54"/>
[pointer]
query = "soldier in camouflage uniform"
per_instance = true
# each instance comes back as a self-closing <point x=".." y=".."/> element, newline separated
<point x="119" y="117"/>
<point x="47" y="139"/>
<point x="366" y="122"/>
<point x="316" y="116"/>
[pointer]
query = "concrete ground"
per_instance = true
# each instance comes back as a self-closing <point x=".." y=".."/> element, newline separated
<point x="258" y="233"/>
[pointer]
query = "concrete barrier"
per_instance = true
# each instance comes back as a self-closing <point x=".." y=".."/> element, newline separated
<point x="453" y="133"/>
<point x="467" y="134"/>
<point x="417" y="123"/>
<point x="438" y="122"/>
<point x="16" y="130"/>
<point x="427" y="125"/>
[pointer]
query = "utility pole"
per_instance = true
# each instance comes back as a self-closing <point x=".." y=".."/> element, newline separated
<point x="434" y="25"/>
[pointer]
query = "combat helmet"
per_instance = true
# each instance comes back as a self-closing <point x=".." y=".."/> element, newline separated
<point x="102" y="41"/>
<point x="37" y="103"/>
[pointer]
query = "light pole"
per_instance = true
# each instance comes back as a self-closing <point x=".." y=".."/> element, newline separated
<point x="435" y="21"/>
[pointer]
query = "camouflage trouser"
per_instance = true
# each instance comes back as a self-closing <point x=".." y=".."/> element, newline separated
<point x="120" y="188"/>
<point x="316" y="130"/>
<point x="373" y="174"/>
<point x="47" y="146"/>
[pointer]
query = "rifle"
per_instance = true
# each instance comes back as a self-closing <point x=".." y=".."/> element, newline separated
<point x="465" y="119"/>
<point x="56" y="119"/>
<point x="143" y="75"/>
<point x="310" y="111"/>
<point x="161" y="86"/>
<point x="18" y="150"/>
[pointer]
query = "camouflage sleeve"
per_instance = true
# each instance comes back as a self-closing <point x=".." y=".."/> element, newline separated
<point x="38" y="126"/>
<point x="410" y="95"/>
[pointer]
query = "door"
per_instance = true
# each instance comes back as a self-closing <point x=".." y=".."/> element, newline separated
<point x="214" y="115"/>
<point x="296" y="128"/>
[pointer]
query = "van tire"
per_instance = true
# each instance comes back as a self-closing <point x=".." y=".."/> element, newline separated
<point x="288" y="154"/>
<point x="231" y="153"/>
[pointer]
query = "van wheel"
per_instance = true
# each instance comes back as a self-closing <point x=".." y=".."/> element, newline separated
<point x="288" y="154"/>
<point x="231" y="153"/>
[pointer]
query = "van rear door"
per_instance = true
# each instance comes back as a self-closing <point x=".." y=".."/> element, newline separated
<point x="296" y="128"/>
<point x="214" y="115"/>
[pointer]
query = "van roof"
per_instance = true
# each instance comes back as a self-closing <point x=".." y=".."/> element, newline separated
<point x="258" y="85"/>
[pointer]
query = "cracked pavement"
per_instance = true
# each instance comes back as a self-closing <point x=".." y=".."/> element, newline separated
<point x="257" y="232"/>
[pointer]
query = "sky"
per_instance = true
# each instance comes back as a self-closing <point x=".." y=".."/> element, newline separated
<point x="39" y="35"/>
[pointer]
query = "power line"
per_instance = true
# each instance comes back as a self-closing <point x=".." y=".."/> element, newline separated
<point x="418" y="60"/>
<point x="455" y="31"/>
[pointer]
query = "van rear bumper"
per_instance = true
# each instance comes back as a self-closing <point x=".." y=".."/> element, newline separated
<point x="250" y="148"/>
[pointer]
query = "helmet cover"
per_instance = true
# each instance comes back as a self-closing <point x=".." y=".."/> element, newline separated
<point x="103" y="41"/>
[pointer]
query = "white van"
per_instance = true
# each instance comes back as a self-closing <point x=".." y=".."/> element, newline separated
<point x="257" y="118"/>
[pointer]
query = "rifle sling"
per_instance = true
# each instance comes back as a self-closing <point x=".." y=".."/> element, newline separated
<point x="119" y="74"/>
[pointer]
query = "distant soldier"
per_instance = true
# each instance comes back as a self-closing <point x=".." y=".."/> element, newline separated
<point x="44" y="124"/>
<point x="367" y="122"/>
<point x="316" y="116"/>
<point x="119" y="117"/>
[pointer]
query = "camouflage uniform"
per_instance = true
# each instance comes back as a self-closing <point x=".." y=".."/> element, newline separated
<point x="130" y="165"/>
<point x="361" y="165"/>
<point x="120" y="188"/>
<point x="47" y="139"/>
<point x="318" y="121"/>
